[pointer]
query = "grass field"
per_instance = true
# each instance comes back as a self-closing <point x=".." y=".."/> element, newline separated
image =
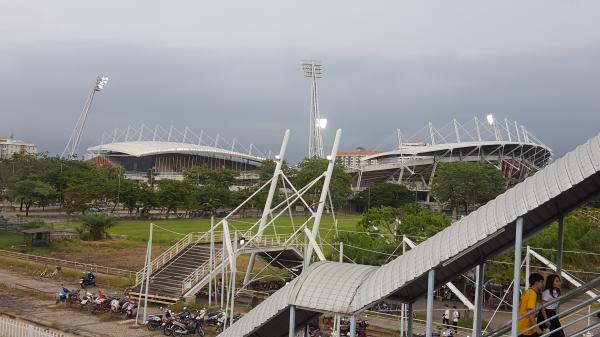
<point x="168" y="231"/>
<point x="126" y="248"/>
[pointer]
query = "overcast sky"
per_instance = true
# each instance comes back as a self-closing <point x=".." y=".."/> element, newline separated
<point x="233" y="68"/>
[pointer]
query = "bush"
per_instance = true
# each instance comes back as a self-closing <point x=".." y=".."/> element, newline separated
<point x="95" y="226"/>
<point x="36" y="224"/>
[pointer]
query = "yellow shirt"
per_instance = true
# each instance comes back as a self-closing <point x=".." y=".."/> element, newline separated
<point x="528" y="302"/>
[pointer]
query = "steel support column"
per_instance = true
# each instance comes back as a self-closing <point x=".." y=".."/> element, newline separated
<point x="430" y="289"/>
<point x="267" y="209"/>
<point x="517" y="276"/>
<point x="324" y="191"/>
<point x="409" y="323"/>
<point x="352" y="326"/>
<point x="479" y="281"/>
<point x="560" y="244"/>
<point x="292" y="327"/>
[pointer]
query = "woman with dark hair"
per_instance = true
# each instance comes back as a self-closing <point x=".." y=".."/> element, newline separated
<point x="551" y="291"/>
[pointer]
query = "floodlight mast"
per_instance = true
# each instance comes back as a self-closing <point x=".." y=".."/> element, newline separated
<point x="313" y="70"/>
<point x="70" y="150"/>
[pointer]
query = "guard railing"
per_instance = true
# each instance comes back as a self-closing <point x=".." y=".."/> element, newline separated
<point x="84" y="267"/>
<point x="256" y="242"/>
<point x="571" y="295"/>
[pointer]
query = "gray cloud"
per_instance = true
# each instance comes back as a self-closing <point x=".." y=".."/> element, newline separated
<point x="255" y="96"/>
<point x="234" y="68"/>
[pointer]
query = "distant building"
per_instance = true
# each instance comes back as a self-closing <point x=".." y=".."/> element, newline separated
<point x="351" y="159"/>
<point x="10" y="146"/>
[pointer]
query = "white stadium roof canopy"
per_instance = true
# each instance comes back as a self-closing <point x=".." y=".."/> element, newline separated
<point x="149" y="148"/>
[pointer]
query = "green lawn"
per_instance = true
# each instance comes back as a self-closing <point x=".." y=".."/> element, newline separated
<point x="133" y="235"/>
<point x="167" y="231"/>
<point x="9" y="239"/>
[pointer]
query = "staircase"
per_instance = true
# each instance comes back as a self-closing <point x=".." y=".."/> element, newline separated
<point x="167" y="280"/>
<point x="175" y="264"/>
<point x="184" y="268"/>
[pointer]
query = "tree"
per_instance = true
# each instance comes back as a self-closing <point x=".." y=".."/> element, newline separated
<point x="95" y="226"/>
<point x="203" y="175"/>
<point x="466" y="184"/>
<point x="210" y="198"/>
<point x="79" y="196"/>
<point x="417" y="221"/>
<point x="339" y="187"/>
<point x="173" y="194"/>
<point x="410" y="220"/>
<point x="380" y="219"/>
<point x="383" y="194"/>
<point x="29" y="191"/>
<point x="130" y="194"/>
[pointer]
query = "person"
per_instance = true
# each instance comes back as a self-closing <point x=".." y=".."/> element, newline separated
<point x="455" y="318"/>
<point x="529" y="299"/>
<point x="551" y="291"/>
<point x="446" y="317"/>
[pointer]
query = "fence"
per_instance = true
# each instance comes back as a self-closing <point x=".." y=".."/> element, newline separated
<point x="12" y="328"/>
<point x="68" y="264"/>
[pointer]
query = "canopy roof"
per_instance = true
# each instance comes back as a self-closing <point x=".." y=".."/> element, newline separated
<point x="148" y="148"/>
<point x="349" y="288"/>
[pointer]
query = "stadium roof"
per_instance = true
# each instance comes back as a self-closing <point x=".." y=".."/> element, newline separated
<point x="148" y="148"/>
<point x="348" y="288"/>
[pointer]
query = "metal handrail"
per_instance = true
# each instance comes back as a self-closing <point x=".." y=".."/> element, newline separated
<point x="68" y="264"/>
<point x="168" y="255"/>
<point x="568" y="296"/>
<point x="273" y="240"/>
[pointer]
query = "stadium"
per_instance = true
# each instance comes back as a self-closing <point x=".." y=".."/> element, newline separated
<point x="505" y="144"/>
<point x="169" y="151"/>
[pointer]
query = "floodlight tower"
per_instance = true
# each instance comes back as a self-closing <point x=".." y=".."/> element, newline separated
<point x="313" y="70"/>
<point x="73" y="143"/>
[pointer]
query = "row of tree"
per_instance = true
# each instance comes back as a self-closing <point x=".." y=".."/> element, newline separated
<point x="80" y="186"/>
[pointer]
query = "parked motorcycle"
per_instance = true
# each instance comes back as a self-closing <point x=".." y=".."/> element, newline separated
<point x="67" y="296"/>
<point x="130" y="309"/>
<point x="88" y="280"/>
<point x="190" y="325"/>
<point x="159" y="321"/>
<point x="101" y="303"/>
<point x="223" y="321"/>
<point x="87" y="301"/>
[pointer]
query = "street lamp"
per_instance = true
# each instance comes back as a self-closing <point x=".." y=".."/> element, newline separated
<point x="101" y="81"/>
<point x="490" y="119"/>
<point x="321" y="123"/>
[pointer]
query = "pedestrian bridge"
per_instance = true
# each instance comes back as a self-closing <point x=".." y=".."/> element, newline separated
<point x="187" y="266"/>
<point x="348" y="289"/>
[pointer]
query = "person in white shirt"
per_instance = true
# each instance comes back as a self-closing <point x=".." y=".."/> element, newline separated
<point x="552" y="291"/>
<point x="455" y="318"/>
<point x="446" y="317"/>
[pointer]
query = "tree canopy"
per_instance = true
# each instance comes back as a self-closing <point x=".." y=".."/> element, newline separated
<point x="466" y="184"/>
<point x="383" y="194"/>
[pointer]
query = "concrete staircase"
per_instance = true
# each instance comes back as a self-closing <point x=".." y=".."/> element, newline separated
<point x="166" y="282"/>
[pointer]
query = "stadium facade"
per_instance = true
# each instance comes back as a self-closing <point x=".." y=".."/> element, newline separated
<point x="505" y="144"/>
<point x="168" y="152"/>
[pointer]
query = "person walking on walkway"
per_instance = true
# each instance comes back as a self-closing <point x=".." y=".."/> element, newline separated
<point x="529" y="300"/>
<point x="455" y="318"/>
<point x="551" y="291"/>
<point x="446" y="317"/>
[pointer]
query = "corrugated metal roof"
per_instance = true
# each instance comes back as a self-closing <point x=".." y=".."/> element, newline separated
<point x="147" y="148"/>
<point x="348" y="288"/>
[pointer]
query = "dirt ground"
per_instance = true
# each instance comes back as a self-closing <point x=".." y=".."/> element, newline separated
<point x="33" y="300"/>
<point x="130" y="259"/>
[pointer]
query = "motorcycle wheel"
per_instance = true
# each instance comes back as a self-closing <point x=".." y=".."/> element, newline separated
<point x="168" y="330"/>
<point x="151" y="326"/>
<point x="177" y="333"/>
<point x="200" y="331"/>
